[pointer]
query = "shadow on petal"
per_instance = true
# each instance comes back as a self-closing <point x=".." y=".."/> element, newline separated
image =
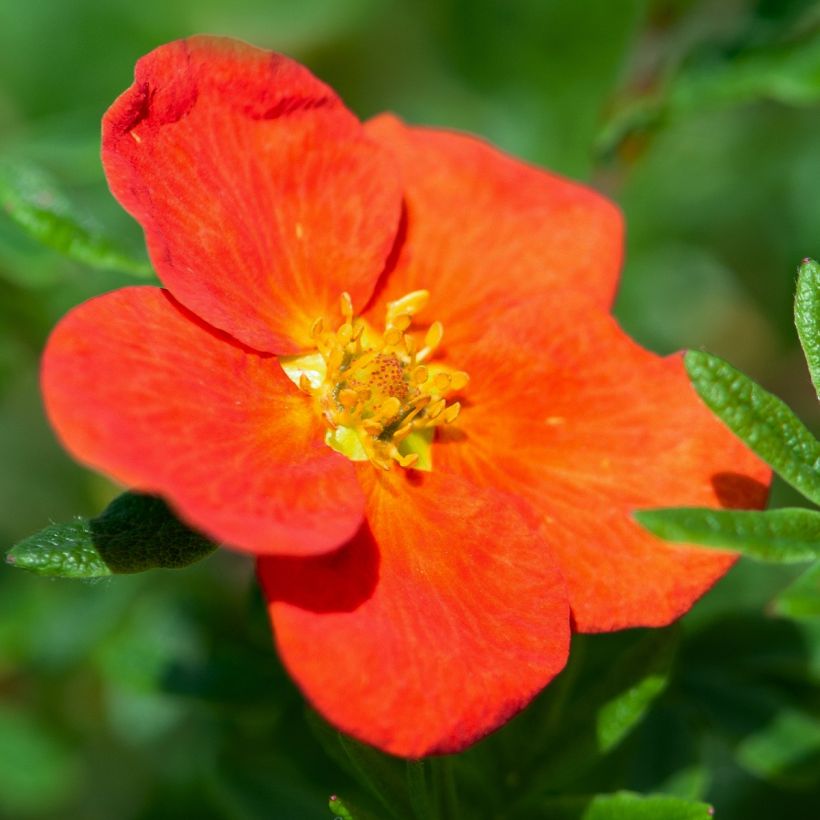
<point x="339" y="581"/>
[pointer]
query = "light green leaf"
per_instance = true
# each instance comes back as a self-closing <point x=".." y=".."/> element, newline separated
<point x="764" y="422"/>
<point x="802" y="598"/>
<point x="786" y="72"/>
<point x="603" y="715"/>
<point x="38" y="770"/>
<point x="780" y="536"/>
<point x="807" y="316"/>
<point x="32" y="201"/>
<point x="623" y="806"/>
<point x="135" y="533"/>
<point x="786" y="750"/>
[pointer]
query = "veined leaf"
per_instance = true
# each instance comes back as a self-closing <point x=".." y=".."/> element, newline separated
<point x="762" y="420"/>
<point x="807" y="316"/>
<point x="622" y="806"/>
<point x="780" y="536"/>
<point x="802" y="598"/>
<point x="31" y="200"/>
<point x="135" y="533"/>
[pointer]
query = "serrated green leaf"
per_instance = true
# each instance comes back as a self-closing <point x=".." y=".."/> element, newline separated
<point x="37" y="206"/>
<point x="762" y="420"/>
<point x="807" y="316"/>
<point x="780" y="536"/>
<point x="135" y="533"/>
<point x="802" y="598"/>
<point x="622" y="806"/>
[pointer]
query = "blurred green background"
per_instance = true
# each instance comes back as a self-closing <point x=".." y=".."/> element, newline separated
<point x="158" y="695"/>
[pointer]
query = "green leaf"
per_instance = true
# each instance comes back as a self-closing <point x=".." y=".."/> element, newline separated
<point x="38" y="769"/>
<point x="380" y="774"/>
<point x="802" y="598"/>
<point x="787" y="749"/>
<point x="601" y="717"/>
<point x="764" y="422"/>
<point x="780" y="536"/>
<point x="786" y="72"/>
<point x="807" y="316"/>
<point x="32" y="201"/>
<point x="136" y="532"/>
<point x="623" y="806"/>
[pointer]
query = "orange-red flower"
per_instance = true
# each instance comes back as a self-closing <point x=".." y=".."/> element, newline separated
<point x="336" y="293"/>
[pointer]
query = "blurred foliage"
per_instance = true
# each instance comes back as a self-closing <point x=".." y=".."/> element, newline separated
<point x="158" y="695"/>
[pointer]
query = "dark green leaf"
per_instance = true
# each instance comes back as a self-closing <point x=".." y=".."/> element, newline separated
<point x="381" y="775"/>
<point x="603" y="716"/>
<point x="31" y="199"/>
<point x="135" y="533"/>
<point x="780" y="536"/>
<point x="802" y="598"/>
<point x="624" y="806"/>
<point x="807" y="316"/>
<point x="764" y="422"/>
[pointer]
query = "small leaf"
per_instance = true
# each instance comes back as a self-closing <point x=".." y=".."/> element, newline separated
<point x="600" y="718"/>
<point x="807" y="316"/>
<point x="780" y="536"/>
<point x="32" y="201"/>
<point x="764" y="422"/>
<point x="802" y="598"/>
<point x="622" y="806"/>
<point x="135" y="533"/>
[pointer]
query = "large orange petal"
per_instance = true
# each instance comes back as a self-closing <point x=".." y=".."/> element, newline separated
<point x="484" y="230"/>
<point x="433" y="626"/>
<point x="261" y="198"/>
<point x="141" y="389"/>
<point x="565" y="411"/>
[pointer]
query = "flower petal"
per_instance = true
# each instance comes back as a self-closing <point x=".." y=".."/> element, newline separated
<point x="484" y="230"/>
<point x="431" y="627"/>
<point x="138" y="387"/>
<point x="261" y="198"/>
<point x="567" y="412"/>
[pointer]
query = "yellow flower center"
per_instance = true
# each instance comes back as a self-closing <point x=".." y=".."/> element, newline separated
<point x="379" y="393"/>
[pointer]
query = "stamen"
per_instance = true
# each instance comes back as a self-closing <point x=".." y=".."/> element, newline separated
<point x="379" y="397"/>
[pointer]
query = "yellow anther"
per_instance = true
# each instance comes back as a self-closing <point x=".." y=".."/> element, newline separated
<point x="372" y="427"/>
<point x="441" y="381"/>
<point x="419" y="375"/>
<point x="392" y="337"/>
<point x="389" y="407"/>
<point x="304" y="383"/>
<point x="435" y="408"/>
<point x="434" y="335"/>
<point x="346" y="305"/>
<point x="410" y="346"/>
<point x="402" y="321"/>
<point x="451" y="413"/>
<point x="348" y="398"/>
<point x="408" y="460"/>
<point x="411" y="303"/>
<point x="401" y="434"/>
<point x="316" y="328"/>
<point x="459" y="380"/>
<point x="358" y="329"/>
